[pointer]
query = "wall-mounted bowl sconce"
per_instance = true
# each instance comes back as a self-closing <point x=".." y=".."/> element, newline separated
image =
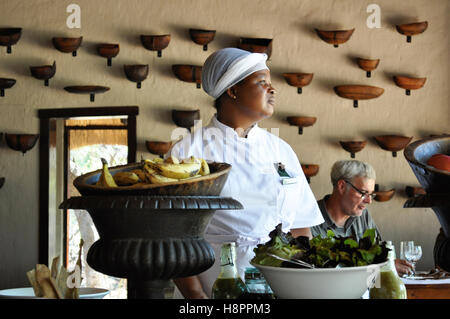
<point x="158" y="148"/>
<point x="202" y="37"/>
<point x="383" y="196"/>
<point x="358" y="92"/>
<point x="67" y="45"/>
<point x="353" y="146"/>
<point x="185" y="118"/>
<point x="335" y="37"/>
<point x="298" y="80"/>
<point x="188" y="73"/>
<point x="256" y="45"/>
<point x="108" y="51"/>
<point x="310" y="170"/>
<point x="368" y="65"/>
<point x="9" y="37"/>
<point x="6" y="84"/>
<point x="411" y="29"/>
<point x="409" y="83"/>
<point x="21" y="142"/>
<point x="155" y="42"/>
<point x="136" y="73"/>
<point x="392" y="143"/>
<point x="301" y="122"/>
<point x="87" y="89"/>
<point x="414" y="191"/>
<point x="44" y="72"/>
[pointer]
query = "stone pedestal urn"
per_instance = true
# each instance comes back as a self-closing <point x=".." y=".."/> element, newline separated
<point x="152" y="238"/>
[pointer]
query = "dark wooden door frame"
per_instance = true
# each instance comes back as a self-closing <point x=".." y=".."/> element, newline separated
<point x="45" y="115"/>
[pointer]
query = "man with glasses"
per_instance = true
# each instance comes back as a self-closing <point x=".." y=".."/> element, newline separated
<point x="345" y="210"/>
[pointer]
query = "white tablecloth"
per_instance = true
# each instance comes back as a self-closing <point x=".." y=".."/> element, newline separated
<point x="407" y="281"/>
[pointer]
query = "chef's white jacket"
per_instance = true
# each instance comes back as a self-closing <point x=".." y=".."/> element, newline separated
<point x="254" y="182"/>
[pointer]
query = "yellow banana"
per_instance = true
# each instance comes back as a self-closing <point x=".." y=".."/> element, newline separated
<point x="156" y="178"/>
<point x="126" y="178"/>
<point x="141" y="174"/>
<point x="172" y="160"/>
<point x="177" y="171"/>
<point x="191" y="159"/>
<point x="106" y="179"/>
<point x="204" y="169"/>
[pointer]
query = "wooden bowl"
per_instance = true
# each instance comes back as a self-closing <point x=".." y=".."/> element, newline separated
<point x="2" y="181"/>
<point x="413" y="191"/>
<point x="368" y="65"/>
<point x="353" y="146"/>
<point x="358" y="92"/>
<point x="6" y="83"/>
<point x="108" y="51"/>
<point x="43" y="72"/>
<point x="310" y="170"/>
<point x="411" y="29"/>
<point x="384" y="196"/>
<point x="208" y="185"/>
<point x="185" y="118"/>
<point x="155" y="42"/>
<point x="335" y="37"/>
<point x="301" y="122"/>
<point x="256" y="45"/>
<point x="202" y="37"/>
<point x="409" y="83"/>
<point x="67" y="45"/>
<point x="298" y="80"/>
<point x="188" y="73"/>
<point x="21" y="142"/>
<point x="158" y="148"/>
<point x="9" y="37"/>
<point x="393" y="143"/>
<point x="136" y="73"/>
<point x="87" y="89"/>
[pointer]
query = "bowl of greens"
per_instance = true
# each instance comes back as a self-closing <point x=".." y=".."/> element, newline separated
<point x="343" y="267"/>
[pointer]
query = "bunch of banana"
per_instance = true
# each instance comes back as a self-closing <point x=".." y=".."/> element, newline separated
<point x="176" y="171"/>
<point x="126" y="178"/>
<point x="106" y="179"/>
<point x="204" y="168"/>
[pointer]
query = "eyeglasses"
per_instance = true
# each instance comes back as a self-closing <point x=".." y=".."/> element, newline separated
<point x="364" y="195"/>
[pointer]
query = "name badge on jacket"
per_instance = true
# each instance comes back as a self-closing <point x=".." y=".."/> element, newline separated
<point x="284" y="176"/>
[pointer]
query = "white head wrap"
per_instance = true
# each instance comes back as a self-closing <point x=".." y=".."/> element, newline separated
<point x="226" y="67"/>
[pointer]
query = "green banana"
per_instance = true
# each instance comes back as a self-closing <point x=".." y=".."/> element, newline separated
<point x="106" y="179"/>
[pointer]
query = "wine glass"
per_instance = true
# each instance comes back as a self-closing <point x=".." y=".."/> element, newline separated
<point x="413" y="254"/>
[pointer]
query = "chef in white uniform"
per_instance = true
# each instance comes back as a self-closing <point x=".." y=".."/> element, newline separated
<point x="266" y="176"/>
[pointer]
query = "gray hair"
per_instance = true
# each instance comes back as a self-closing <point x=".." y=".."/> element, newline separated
<point x="348" y="169"/>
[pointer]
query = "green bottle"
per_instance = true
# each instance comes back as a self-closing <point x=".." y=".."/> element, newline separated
<point x="390" y="285"/>
<point x="228" y="284"/>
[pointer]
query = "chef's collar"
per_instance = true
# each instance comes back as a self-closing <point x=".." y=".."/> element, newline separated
<point x="251" y="133"/>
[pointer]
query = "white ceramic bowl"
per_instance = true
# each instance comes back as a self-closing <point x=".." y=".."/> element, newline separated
<point x="28" y="293"/>
<point x="320" y="283"/>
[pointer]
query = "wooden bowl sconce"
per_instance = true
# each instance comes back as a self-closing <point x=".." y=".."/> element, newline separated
<point x="411" y="29"/>
<point x="9" y="37"/>
<point x="335" y="37"/>
<point x="409" y="83"/>
<point x="2" y="181"/>
<point x="6" y="84"/>
<point x="383" y="196"/>
<point x="256" y="45"/>
<point x="353" y="146"/>
<point x="298" y="80"/>
<point x="301" y="122"/>
<point x="414" y="191"/>
<point x="358" y="92"/>
<point x="202" y="37"/>
<point x="21" y="142"/>
<point x="185" y="118"/>
<point x="368" y="65"/>
<point x="310" y="170"/>
<point x="44" y="72"/>
<point x="108" y="51"/>
<point x="87" y="89"/>
<point x="67" y="45"/>
<point x="392" y="143"/>
<point x="155" y="42"/>
<point x="136" y="73"/>
<point x="188" y="73"/>
<point x="158" y="148"/>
